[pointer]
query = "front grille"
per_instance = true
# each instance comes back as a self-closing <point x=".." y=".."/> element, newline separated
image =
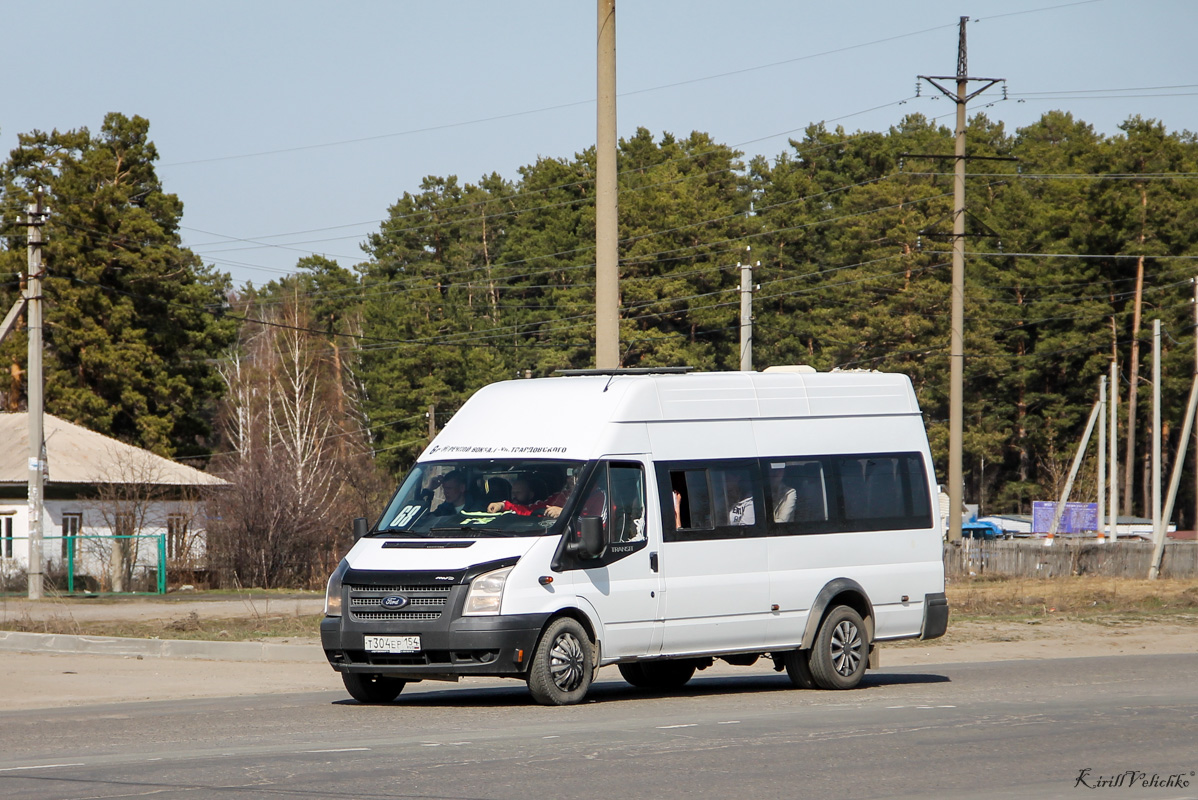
<point x="375" y="616"/>
<point x="413" y="601"/>
<point x="424" y="603"/>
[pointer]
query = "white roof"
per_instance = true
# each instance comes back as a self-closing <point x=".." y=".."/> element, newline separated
<point x="561" y="417"/>
<point x="76" y="455"/>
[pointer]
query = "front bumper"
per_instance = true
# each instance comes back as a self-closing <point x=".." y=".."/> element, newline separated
<point x="495" y="646"/>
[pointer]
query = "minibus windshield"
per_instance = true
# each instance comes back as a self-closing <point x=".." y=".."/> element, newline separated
<point x="478" y="498"/>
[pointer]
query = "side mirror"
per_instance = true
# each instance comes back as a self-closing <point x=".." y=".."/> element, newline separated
<point x="591" y="542"/>
<point x="361" y="526"/>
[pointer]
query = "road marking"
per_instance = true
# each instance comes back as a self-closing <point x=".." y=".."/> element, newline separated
<point x="340" y="750"/>
<point x="40" y="766"/>
<point x="551" y="737"/>
<point x="729" y="722"/>
<point x="687" y="725"/>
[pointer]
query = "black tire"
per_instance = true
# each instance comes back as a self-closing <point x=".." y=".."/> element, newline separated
<point x="798" y="668"/>
<point x="840" y="653"/>
<point x="371" y="689"/>
<point x="661" y="676"/>
<point x="562" y="664"/>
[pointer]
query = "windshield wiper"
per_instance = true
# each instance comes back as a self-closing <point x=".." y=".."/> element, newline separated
<point x="491" y="532"/>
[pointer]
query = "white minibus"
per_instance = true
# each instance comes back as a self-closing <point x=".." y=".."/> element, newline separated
<point x="652" y="519"/>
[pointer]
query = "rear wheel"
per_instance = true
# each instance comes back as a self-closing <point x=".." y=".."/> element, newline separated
<point x="368" y="688"/>
<point x="840" y="653"/>
<point x="658" y="675"/>
<point x="798" y="668"/>
<point x="562" y="664"/>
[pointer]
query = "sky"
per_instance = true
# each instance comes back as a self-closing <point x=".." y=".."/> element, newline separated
<point x="290" y="127"/>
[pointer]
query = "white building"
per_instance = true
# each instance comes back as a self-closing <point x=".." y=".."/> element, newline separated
<point x="97" y="487"/>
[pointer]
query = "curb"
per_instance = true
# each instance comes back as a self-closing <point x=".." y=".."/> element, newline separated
<point x="62" y="644"/>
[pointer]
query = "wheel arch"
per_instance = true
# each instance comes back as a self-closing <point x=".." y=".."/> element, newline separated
<point x="838" y="592"/>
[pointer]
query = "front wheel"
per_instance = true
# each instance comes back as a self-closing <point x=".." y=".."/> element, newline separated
<point x="371" y="689"/>
<point x="840" y="653"/>
<point x="562" y="664"/>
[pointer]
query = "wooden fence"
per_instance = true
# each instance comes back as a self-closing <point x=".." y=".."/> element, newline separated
<point x="1031" y="559"/>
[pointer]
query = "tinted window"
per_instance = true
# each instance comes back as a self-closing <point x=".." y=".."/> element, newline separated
<point x="884" y="491"/>
<point x="798" y="491"/>
<point x="711" y="501"/>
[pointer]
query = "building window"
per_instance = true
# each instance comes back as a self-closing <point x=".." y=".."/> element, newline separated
<point x="176" y="536"/>
<point x="8" y="537"/>
<point x="72" y="524"/>
<point x="124" y="524"/>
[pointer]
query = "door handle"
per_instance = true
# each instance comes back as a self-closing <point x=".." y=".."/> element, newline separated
<point x="653" y="561"/>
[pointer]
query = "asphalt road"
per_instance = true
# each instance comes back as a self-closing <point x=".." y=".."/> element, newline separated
<point x="987" y="730"/>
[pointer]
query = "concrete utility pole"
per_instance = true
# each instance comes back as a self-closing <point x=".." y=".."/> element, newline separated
<point x="607" y="229"/>
<point x="957" y="336"/>
<point x="1101" y="456"/>
<point x="746" y="316"/>
<point x="1156" y="424"/>
<point x="1114" y="455"/>
<point x="34" y="384"/>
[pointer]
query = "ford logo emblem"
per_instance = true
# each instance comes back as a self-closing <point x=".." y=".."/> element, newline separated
<point x="394" y="601"/>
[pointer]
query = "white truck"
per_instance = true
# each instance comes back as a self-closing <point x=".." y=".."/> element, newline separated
<point x="652" y="519"/>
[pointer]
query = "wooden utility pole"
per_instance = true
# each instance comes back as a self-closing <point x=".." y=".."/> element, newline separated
<point x="607" y="229"/>
<point x="34" y="384"/>
<point x="957" y="335"/>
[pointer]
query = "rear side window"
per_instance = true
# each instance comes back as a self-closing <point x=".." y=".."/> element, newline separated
<point x="884" y="491"/>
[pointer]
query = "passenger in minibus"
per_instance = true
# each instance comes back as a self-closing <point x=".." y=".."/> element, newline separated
<point x="521" y="501"/>
<point x="740" y="499"/>
<point x="782" y="495"/>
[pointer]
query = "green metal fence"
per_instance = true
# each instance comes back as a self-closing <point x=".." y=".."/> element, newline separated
<point x="91" y="563"/>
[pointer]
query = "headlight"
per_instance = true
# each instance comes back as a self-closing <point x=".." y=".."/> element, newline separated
<point x="332" y="595"/>
<point x="486" y="592"/>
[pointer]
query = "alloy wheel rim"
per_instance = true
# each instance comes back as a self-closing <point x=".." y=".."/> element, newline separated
<point x="846" y="648"/>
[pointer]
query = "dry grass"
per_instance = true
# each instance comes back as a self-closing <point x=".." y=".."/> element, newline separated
<point x="1101" y="601"/>
<point x="1082" y="597"/>
<point x="191" y="626"/>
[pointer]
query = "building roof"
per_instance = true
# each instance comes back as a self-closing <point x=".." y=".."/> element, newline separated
<point x="76" y="455"/>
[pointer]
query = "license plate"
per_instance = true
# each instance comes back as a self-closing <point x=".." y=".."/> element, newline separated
<point x="393" y="644"/>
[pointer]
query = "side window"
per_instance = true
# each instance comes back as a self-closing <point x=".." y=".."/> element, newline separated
<point x="615" y="494"/>
<point x="692" y="499"/>
<point x="798" y="491"/>
<point x="627" y="485"/>
<point x="884" y="491"/>
<point x="733" y="492"/>
<point x="719" y="500"/>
